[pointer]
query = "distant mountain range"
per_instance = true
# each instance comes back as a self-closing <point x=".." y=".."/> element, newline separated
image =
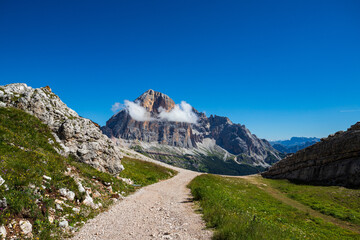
<point x="180" y="135"/>
<point x="294" y="144"/>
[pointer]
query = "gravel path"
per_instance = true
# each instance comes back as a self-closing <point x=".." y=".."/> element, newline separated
<point x="159" y="211"/>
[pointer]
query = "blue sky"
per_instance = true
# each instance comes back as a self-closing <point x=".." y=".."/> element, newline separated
<point x="282" y="68"/>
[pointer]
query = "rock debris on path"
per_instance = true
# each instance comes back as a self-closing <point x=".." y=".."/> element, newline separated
<point x="158" y="211"/>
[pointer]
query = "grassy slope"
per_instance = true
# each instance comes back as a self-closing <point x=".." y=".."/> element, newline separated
<point x="27" y="153"/>
<point x="240" y="210"/>
<point x="339" y="202"/>
<point x="144" y="173"/>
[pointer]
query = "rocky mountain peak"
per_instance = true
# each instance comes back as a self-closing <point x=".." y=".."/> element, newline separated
<point x="233" y="142"/>
<point x="356" y="126"/>
<point x="218" y="120"/>
<point x="153" y="100"/>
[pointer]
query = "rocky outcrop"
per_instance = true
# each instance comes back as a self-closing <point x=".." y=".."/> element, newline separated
<point x="78" y="136"/>
<point x="333" y="161"/>
<point x="236" y="139"/>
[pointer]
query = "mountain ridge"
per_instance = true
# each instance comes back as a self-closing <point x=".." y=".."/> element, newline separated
<point x="237" y="142"/>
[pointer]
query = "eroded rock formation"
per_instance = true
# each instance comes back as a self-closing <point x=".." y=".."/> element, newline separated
<point x="333" y="161"/>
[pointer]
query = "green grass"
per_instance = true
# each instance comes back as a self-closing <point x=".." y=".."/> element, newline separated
<point x="339" y="202"/>
<point x="144" y="173"/>
<point x="25" y="156"/>
<point x="27" y="152"/>
<point x="237" y="209"/>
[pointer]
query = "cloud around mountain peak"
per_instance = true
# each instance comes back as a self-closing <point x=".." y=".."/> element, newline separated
<point x="182" y="112"/>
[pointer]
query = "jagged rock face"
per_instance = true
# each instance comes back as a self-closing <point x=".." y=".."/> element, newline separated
<point x="152" y="101"/>
<point x="178" y="134"/>
<point x="169" y="133"/>
<point x="78" y="136"/>
<point x="237" y="139"/>
<point x="333" y="161"/>
<point x="234" y="138"/>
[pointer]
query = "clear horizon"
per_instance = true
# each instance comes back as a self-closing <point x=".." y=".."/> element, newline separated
<point x="282" y="69"/>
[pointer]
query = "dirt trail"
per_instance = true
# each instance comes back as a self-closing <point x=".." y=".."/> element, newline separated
<point x="159" y="211"/>
<point x="257" y="180"/>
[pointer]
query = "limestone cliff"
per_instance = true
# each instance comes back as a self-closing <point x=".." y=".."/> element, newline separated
<point x="333" y="161"/>
<point x="152" y="101"/>
<point x="178" y="134"/>
<point x="169" y="133"/>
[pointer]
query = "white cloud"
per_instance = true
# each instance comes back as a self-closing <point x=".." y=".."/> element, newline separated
<point x="116" y="107"/>
<point x="180" y="113"/>
<point x="137" y="112"/>
<point x="350" y="110"/>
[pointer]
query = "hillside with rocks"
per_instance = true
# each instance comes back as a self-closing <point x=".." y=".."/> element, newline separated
<point x="77" y="136"/>
<point x="211" y="144"/>
<point x="57" y="170"/>
<point x="334" y="160"/>
<point x="44" y="194"/>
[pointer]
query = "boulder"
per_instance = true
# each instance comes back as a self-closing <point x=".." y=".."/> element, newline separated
<point x="58" y="207"/>
<point x="3" y="203"/>
<point x="63" y="224"/>
<point x="88" y="201"/>
<point x="2" y="181"/>
<point x="25" y="226"/>
<point x="3" y="232"/>
<point x="80" y="187"/>
<point x="76" y="210"/>
<point x="67" y="193"/>
<point x="46" y="178"/>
